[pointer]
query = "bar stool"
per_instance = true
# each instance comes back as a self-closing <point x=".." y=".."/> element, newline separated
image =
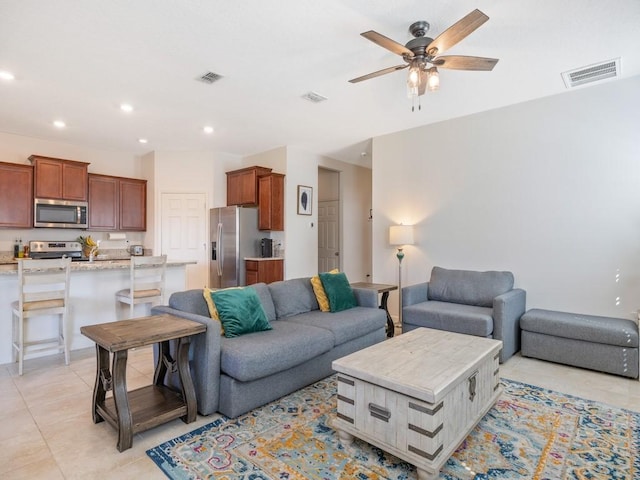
<point x="43" y="287"/>
<point x="147" y="279"/>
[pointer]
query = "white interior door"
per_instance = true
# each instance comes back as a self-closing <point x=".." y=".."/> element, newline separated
<point x="328" y="235"/>
<point x="183" y="234"/>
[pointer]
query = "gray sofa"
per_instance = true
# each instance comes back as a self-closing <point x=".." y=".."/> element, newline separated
<point x="235" y="375"/>
<point x="484" y="304"/>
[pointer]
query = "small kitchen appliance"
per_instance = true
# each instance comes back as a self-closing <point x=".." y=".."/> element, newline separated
<point x="136" y="250"/>
<point x="266" y="248"/>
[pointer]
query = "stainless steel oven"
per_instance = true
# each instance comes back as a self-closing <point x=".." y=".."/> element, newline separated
<point x="60" y="213"/>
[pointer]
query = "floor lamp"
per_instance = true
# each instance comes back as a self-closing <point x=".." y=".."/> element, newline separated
<point x="400" y="235"/>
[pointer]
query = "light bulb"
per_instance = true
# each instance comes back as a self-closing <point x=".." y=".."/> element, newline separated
<point x="414" y="77"/>
<point x="433" y="81"/>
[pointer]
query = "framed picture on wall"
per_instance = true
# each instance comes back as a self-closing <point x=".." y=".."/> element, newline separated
<point x="305" y="200"/>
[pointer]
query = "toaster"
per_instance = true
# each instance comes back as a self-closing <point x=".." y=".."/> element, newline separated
<point x="136" y="250"/>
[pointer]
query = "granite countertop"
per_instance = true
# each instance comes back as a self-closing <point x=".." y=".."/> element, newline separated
<point x="12" y="268"/>
<point x="262" y="259"/>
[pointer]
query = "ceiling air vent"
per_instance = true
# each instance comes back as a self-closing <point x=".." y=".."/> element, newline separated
<point x="209" y="77"/>
<point x="592" y="73"/>
<point x="314" y="97"/>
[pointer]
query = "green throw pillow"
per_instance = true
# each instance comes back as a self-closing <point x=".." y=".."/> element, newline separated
<point x="240" y="311"/>
<point x="338" y="291"/>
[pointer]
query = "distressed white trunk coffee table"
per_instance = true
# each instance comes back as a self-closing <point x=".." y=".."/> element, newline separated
<point x="418" y="395"/>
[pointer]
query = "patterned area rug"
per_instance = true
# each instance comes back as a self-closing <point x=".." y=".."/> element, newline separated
<point x="531" y="433"/>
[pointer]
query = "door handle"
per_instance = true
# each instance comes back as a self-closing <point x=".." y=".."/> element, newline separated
<point x="337" y="254"/>
<point x="220" y="250"/>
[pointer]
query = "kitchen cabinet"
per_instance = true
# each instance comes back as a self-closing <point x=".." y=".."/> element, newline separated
<point x="266" y="270"/>
<point x="117" y="203"/>
<point x="271" y="202"/>
<point x="60" y="179"/>
<point x="16" y="195"/>
<point x="242" y="185"/>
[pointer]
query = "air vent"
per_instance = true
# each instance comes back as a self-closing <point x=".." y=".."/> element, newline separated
<point x="314" y="97"/>
<point x="592" y="73"/>
<point x="209" y="77"/>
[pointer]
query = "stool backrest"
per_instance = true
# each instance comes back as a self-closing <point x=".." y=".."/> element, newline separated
<point x="43" y="285"/>
<point x="148" y="274"/>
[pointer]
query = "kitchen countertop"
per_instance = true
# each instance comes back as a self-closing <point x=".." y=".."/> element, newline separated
<point x="12" y="268"/>
<point x="262" y="259"/>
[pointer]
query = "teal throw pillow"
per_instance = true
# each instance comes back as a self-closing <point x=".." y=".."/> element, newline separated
<point x="240" y="311"/>
<point x="338" y="291"/>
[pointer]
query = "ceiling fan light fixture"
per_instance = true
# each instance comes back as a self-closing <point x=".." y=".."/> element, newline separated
<point x="433" y="79"/>
<point x="413" y="80"/>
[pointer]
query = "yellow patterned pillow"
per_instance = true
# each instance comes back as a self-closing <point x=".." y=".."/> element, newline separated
<point x="213" y="311"/>
<point x="321" y="296"/>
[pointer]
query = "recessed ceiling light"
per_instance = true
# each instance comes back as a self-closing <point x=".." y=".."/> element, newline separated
<point x="4" y="75"/>
<point x="125" y="107"/>
<point x="142" y="140"/>
<point x="208" y="130"/>
<point x="59" y="124"/>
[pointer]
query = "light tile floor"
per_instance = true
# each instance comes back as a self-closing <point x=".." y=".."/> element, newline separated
<point x="47" y="431"/>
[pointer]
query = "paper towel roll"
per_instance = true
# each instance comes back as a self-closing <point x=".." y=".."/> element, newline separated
<point x="117" y="236"/>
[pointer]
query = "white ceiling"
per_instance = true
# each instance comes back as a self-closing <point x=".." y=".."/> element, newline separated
<point x="77" y="60"/>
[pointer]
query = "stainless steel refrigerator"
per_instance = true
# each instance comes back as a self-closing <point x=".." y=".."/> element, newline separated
<point x="234" y="235"/>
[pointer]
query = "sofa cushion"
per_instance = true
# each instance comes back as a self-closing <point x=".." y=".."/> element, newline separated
<point x="258" y="355"/>
<point x="453" y="317"/>
<point x="240" y="311"/>
<point x="265" y="299"/>
<point x="468" y="287"/>
<point x="291" y="297"/>
<point x="591" y="328"/>
<point x="346" y="325"/>
<point x="191" y="301"/>
<point x="338" y="291"/>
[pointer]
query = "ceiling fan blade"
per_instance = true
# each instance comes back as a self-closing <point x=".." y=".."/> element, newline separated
<point x="386" y="42"/>
<point x="378" y="73"/>
<point x="457" y="32"/>
<point x="460" y="62"/>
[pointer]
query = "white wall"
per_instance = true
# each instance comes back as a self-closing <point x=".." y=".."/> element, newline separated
<point x="547" y="189"/>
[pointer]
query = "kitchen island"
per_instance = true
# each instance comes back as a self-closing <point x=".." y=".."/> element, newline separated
<point x="91" y="300"/>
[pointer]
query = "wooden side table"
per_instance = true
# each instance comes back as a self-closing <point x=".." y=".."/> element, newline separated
<point x="384" y="289"/>
<point x="137" y="410"/>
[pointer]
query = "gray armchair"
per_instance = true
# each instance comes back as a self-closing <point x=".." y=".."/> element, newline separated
<point x="484" y="304"/>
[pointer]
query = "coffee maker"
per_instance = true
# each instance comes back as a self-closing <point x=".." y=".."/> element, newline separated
<point x="266" y="248"/>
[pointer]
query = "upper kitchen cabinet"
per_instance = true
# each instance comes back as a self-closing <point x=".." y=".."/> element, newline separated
<point x="117" y="203"/>
<point x="16" y="195"/>
<point x="271" y="202"/>
<point x="60" y="179"/>
<point x="242" y="185"/>
<point x="133" y="204"/>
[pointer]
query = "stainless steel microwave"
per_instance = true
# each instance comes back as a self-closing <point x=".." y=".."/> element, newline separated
<point x="60" y="213"/>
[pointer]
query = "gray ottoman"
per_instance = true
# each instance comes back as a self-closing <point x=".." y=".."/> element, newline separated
<point x="598" y="343"/>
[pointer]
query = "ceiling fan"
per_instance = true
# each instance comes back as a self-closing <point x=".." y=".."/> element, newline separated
<point x="421" y="52"/>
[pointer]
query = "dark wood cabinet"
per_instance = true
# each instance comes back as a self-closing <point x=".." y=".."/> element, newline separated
<point x="267" y="271"/>
<point x="117" y="203"/>
<point x="16" y="195"/>
<point x="59" y="178"/>
<point x="133" y="204"/>
<point x="271" y="202"/>
<point x="242" y="185"/>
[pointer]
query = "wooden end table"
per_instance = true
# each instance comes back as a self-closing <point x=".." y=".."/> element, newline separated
<point x="137" y="410"/>
<point x="384" y="289"/>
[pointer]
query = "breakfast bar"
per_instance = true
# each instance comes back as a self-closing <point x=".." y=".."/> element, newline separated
<point x="91" y="299"/>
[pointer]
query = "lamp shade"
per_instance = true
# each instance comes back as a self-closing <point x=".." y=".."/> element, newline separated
<point x="401" y="235"/>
